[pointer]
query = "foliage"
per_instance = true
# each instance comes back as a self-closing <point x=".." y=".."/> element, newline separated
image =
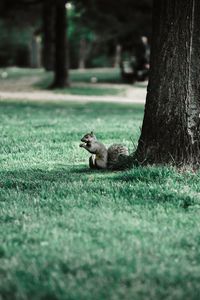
<point x="71" y="233"/>
<point x="97" y="54"/>
<point x="117" y="21"/>
<point x="101" y="24"/>
<point x="14" y="44"/>
<point x="18" y="21"/>
<point x="111" y="23"/>
<point x="77" y="32"/>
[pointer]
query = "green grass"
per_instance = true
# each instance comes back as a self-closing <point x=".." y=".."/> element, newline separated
<point x="108" y="76"/>
<point x="103" y="75"/>
<point x="71" y="233"/>
<point x="87" y="88"/>
<point x="17" y="73"/>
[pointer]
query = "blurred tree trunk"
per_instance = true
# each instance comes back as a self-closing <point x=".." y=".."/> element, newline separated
<point x="49" y="34"/>
<point x="35" y="50"/>
<point x="117" y="58"/>
<point x="171" y="125"/>
<point x="61" y="78"/>
<point x="82" y="54"/>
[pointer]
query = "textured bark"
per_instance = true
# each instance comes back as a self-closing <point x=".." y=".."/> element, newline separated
<point x="171" y="125"/>
<point x="49" y="34"/>
<point x="61" y="78"/>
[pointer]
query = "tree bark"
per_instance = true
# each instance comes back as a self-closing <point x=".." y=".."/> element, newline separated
<point x="61" y="78"/>
<point x="171" y="125"/>
<point x="49" y="34"/>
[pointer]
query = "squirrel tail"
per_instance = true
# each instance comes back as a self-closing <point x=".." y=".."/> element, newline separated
<point x="117" y="156"/>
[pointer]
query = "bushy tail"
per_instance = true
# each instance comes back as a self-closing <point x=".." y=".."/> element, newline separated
<point x="116" y="154"/>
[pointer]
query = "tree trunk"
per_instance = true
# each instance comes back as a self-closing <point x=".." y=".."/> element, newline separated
<point x="61" y="78"/>
<point x="49" y="35"/>
<point x="82" y="54"/>
<point x="35" y="51"/>
<point x="117" y="59"/>
<point x="171" y="125"/>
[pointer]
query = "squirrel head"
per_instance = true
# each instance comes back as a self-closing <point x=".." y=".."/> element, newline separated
<point x="88" y="138"/>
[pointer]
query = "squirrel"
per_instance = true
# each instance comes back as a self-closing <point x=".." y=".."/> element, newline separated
<point x="102" y="158"/>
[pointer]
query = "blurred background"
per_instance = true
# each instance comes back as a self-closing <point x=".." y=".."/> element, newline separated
<point x="99" y="41"/>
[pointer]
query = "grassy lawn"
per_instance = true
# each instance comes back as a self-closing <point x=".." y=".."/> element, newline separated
<point x="108" y="75"/>
<point x="71" y="233"/>
<point x="87" y="88"/>
<point x="84" y="90"/>
<point x="108" y="81"/>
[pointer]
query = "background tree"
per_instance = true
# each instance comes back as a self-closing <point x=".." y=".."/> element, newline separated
<point x="61" y="74"/>
<point x="171" y="125"/>
<point x="28" y="14"/>
<point x="48" y="17"/>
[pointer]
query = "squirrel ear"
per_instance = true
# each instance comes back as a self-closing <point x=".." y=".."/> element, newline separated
<point x="92" y="133"/>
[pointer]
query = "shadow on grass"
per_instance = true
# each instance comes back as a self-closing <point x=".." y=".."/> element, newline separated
<point x="34" y="179"/>
<point x="148" y="175"/>
<point x="140" y="186"/>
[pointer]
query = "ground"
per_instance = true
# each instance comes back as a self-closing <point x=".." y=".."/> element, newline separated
<point x="68" y="232"/>
<point x="32" y="84"/>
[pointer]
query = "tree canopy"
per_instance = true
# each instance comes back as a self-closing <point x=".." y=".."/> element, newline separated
<point x="120" y="21"/>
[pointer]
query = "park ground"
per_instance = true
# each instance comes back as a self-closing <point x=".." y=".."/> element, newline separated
<point x="93" y="85"/>
<point x="68" y="232"/>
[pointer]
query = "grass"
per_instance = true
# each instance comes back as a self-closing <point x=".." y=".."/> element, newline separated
<point x="11" y="73"/>
<point x="71" y="233"/>
<point x="87" y="88"/>
<point x="80" y="80"/>
<point x="103" y="75"/>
